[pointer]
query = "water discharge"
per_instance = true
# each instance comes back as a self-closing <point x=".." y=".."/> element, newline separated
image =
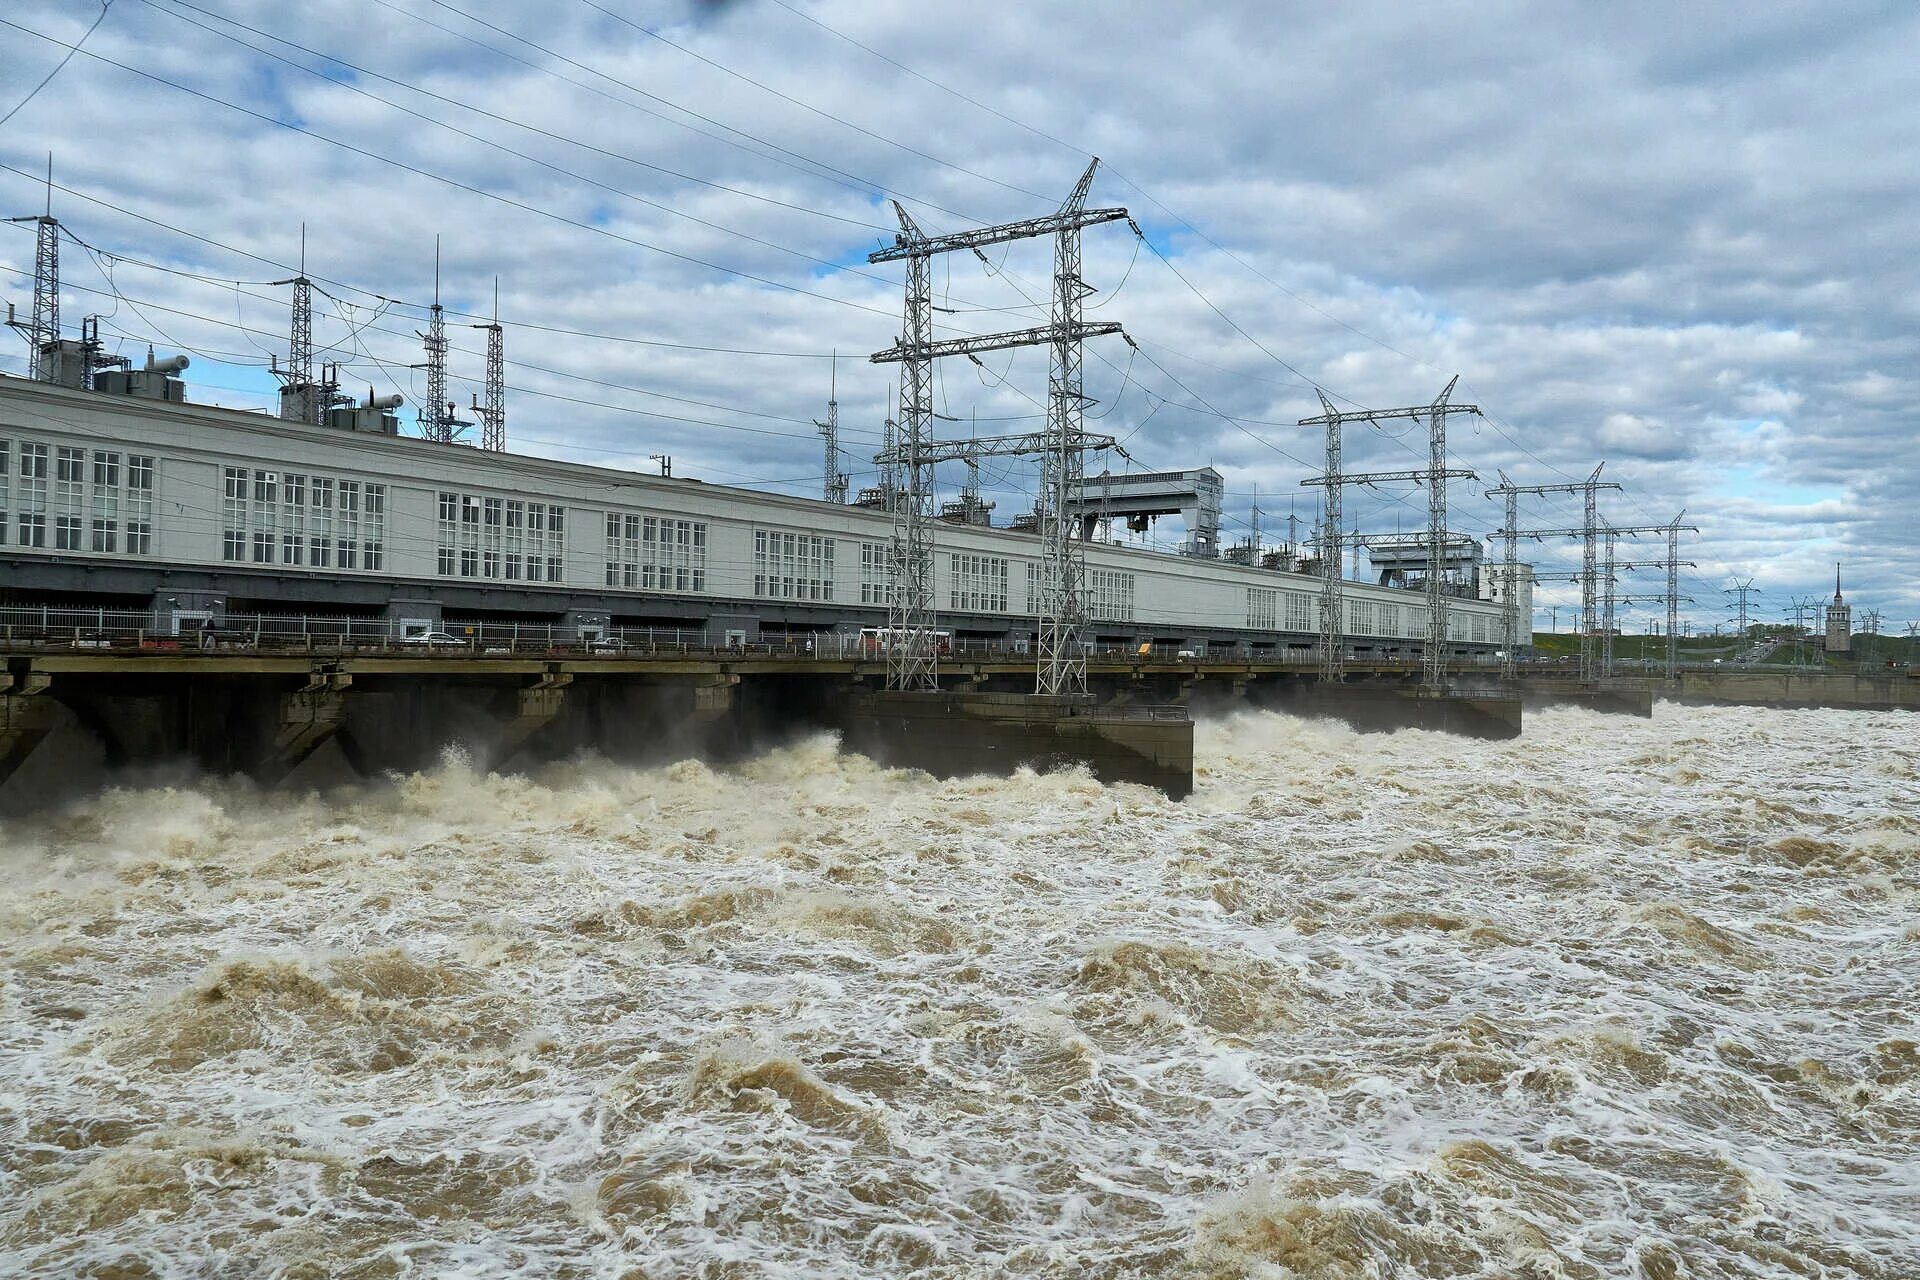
<point x="1619" y="998"/>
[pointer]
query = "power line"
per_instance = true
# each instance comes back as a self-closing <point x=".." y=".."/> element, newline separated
<point x="807" y="106"/>
<point x="59" y="66"/>
<point x="456" y="183"/>
<point x="481" y="111"/>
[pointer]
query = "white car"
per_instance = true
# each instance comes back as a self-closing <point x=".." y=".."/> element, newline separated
<point x="433" y="638"/>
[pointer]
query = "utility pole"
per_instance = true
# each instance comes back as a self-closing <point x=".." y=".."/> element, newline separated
<point x="834" y="488"/>
<point x="1434" y="476"/>
<point x="493" y="414"/>
<point x="912" y="659"/>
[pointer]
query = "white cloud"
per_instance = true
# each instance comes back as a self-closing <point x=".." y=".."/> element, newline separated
<point x="1676" y="243"/>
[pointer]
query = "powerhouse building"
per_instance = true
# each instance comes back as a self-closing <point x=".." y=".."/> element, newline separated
<point x="130" y="497"/>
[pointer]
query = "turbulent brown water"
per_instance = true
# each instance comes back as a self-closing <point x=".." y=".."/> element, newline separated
<point x="1620" y="998"/>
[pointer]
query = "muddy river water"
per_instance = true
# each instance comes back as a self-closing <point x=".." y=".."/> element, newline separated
<point x="1618" y="998"/>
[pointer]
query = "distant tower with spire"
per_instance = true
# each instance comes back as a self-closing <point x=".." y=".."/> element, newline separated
<point x="1839" y="619"/>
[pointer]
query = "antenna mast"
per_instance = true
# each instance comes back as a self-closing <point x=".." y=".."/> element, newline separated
<point x="493" y="414"/>
<point x="836" y="479"/>
<point x="435" y="422"/>
<point x="43" y="331"/>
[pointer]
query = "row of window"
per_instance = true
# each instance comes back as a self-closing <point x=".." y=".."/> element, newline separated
<point x="977" y="584"/>
<point x="792" y="566"/>
<point x="100" y="503"/>
<point x="656" y="553"/>
<point x="321" y="522"/>
<point x="1269" y="609"/>
<point x="876" y="581"/>
<point x="506" y="539"/>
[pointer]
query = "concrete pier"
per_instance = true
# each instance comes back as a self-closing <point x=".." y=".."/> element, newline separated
<point x="77" y="715"/>
<point x="1612" y="698"/>
<point x="1375" y="707"/>
<point x="955" y="734"/>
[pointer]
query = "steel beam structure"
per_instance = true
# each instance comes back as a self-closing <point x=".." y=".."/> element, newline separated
<point x="43" y="330"/>
<point x="1588" y="533"/>
<point x="1435" y="476"/>
<point x="833" y="479"/>
<point x="1060" y="668"/>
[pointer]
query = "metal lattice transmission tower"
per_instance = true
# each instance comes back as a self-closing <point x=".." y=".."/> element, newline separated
<point x="1603" y="578"/>
<point x="912" y="658"/>
<point x="1510" y="658"/>
<point x="835" y="486"/>
<point x="1332" y="554"/>
<point x="492" y="415"/>
<point x="1743" y="592"/>
<point x="1589" y="535"/>
<point x="1673" y="599"/>
<point x="1610" y="538"/>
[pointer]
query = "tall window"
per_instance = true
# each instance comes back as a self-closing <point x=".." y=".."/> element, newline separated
<point x="30" y="495"/>
<point x="139" y="508"/>
<point x="346" y="524"/>
<point x="293" y="519"/>
<point x="491" y="518"/>
<point x="266" y="512"/>
<point x="977" y="584"/>
<point x="233" y="515"/>
<point x="320" y="522"/>
<point x="70" y="483"/>
<point x="1109" y="595"/>
<point x="469" y="536"/>
<point x="792" y="566"/>
<point x="6" y="458"/>
<point x="106" y="501"/>
<point x="875" y="584"/>
<point x="516" y="538"/>
<point x="1263" y="608"/>
<point x="373" y="528"/>
<point x="623" y="550"/>
<point x="447" y="559"/>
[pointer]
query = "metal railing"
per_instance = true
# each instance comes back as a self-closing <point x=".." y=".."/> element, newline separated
<point x="42" y="628"/>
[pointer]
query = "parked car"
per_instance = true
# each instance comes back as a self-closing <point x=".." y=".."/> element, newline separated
<point x="434" y="639"/>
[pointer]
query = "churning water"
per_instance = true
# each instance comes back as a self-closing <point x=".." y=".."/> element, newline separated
<point x="1618" y="998"/>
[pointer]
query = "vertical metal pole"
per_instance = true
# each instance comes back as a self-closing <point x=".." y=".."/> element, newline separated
<point x="1606" y="604"/>
<point x="912" y="661"/>
<point x="1510" y="667"/>
<point x="1437" y="639"/>
<point x="1061" y="669"/>
<point x="1332" y="624"/>
<point x="1673" y="600"/>
<point x="1589" y="579"/>
<point x="834" y="481"/>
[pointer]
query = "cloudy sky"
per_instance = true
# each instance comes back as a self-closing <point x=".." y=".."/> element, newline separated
<point x="1676" y="239"/>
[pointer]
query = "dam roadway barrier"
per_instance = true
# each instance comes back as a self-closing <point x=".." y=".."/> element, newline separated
<point x="76" y="708"/>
